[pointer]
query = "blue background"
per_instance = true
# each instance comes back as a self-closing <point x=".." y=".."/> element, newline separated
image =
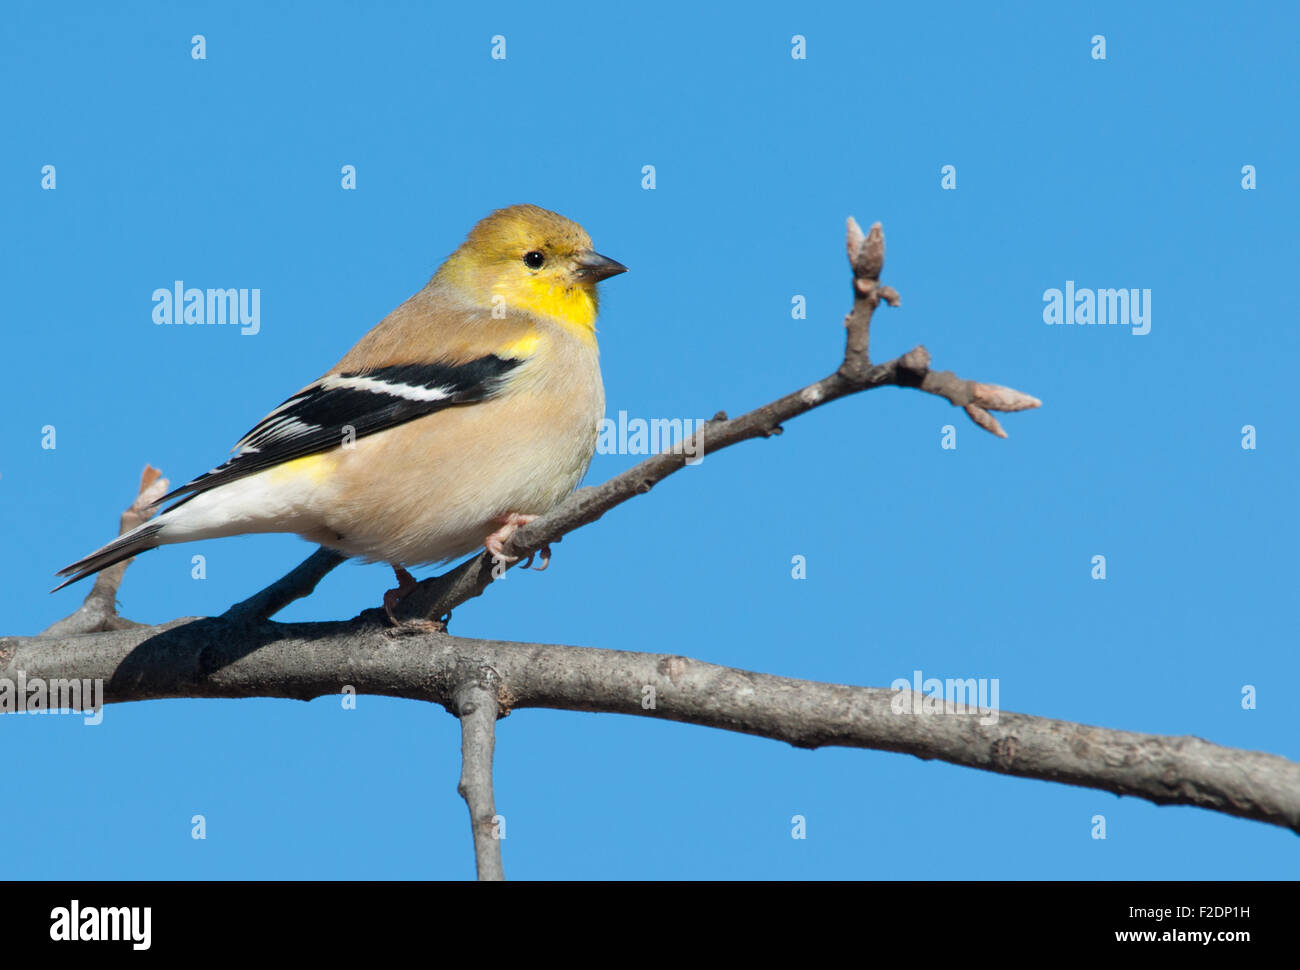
<point x="968" y="563"/>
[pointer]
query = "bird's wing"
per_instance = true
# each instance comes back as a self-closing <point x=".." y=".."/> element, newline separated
<point x="352" y="404"/>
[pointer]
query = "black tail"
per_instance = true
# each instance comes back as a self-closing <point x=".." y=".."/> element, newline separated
<point x="138" y="540"/>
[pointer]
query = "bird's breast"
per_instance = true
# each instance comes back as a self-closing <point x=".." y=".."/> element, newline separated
<point x="523" y="451"/>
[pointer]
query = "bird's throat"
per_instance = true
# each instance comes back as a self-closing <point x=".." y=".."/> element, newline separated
<point x="574" y="307"/>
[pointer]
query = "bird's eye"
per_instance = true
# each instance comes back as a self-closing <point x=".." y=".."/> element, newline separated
<point x="534" y="259"/>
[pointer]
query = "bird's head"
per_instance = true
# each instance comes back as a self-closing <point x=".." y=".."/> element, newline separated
<point x="530" y="258"/>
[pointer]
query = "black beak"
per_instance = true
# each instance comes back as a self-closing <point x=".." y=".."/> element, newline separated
<point x="593" y="267"/>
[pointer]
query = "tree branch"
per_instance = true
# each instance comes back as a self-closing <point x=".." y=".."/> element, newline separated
<point x="214" y="658"/>
<point x="476" y="704"/>
<point x="297" y="583"/>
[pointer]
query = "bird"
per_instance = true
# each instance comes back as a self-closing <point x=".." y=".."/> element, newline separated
<point x="465" y="413"/>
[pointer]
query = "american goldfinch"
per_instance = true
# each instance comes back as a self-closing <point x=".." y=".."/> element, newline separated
<point x="468" y="411"/>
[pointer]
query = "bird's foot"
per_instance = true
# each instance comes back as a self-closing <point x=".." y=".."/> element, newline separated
<point x="545" y="553"/>
<point x="405" y="583"/>
<point x="496" y="541"/>
<point x="417" y="626"/>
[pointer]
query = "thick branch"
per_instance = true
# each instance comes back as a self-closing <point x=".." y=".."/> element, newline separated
<point x="215" y="658"/>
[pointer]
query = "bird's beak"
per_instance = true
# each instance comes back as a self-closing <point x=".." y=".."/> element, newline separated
<point x="593" y="267"/>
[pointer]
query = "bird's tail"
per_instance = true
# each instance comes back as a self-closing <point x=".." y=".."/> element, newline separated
<point x="140" y="539"/>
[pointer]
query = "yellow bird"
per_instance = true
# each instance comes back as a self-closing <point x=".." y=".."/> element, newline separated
<point x="467" y="412"/>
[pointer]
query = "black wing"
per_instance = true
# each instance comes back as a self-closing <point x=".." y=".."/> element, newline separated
<point x="358" y="403"/>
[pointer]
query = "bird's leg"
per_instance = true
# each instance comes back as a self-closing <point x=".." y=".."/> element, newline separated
<point x="509" y="523"/>
<point x="405" y="583"/>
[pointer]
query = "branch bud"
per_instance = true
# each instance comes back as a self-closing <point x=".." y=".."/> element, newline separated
<point x="995" y="397"/>
<point x="866" y="252"/>
<point x="985" y="420"/>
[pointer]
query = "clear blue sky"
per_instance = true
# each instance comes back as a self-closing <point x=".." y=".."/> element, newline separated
<point x="974" y="562"/>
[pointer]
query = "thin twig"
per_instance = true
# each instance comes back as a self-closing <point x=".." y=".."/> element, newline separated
<point x="98" y="611"/>
<point x="294" y="585"/>
<point x="475" y="703"/>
